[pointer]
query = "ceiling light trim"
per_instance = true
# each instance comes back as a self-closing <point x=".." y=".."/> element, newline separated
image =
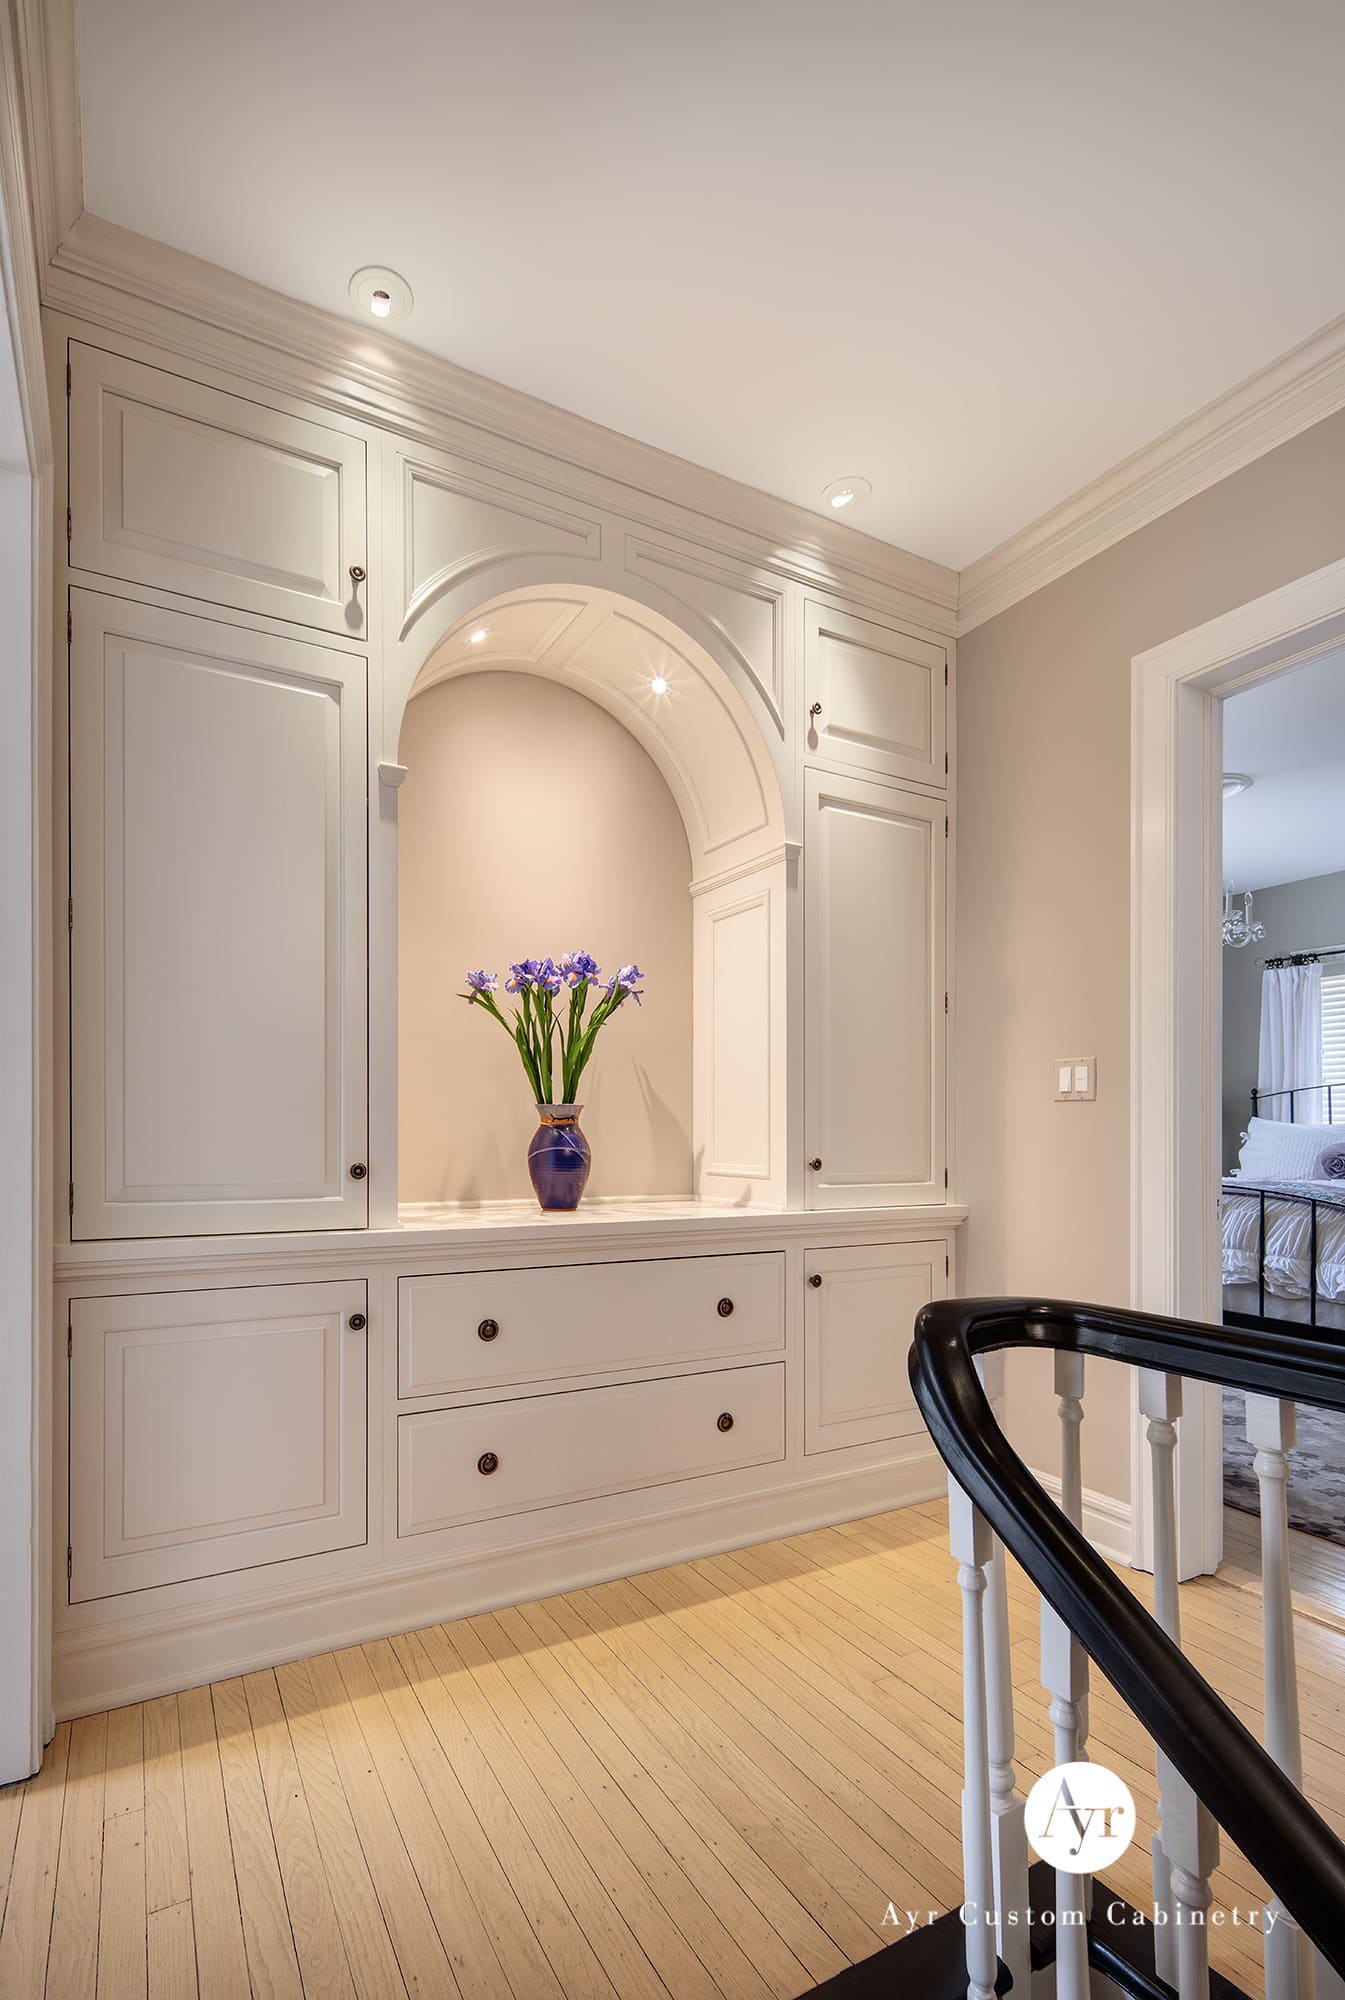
<point x="1288" y="396"/>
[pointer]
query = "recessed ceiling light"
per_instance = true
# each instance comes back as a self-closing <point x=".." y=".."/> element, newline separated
<point x="846" y="492"/>
<point x="381" y="292"/>
<point x="657" y="683"/>
<point x="478" y="635"/>
<point x="1235" y="782"/>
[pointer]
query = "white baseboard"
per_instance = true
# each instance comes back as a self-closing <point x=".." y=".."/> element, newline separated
<point x="110" y="1663"/>
<point x="1106" y="1520"/>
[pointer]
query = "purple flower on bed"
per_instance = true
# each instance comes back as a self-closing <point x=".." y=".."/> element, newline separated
<point x="481" y="982"/>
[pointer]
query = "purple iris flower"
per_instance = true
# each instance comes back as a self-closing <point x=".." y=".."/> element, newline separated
<point x="523" y="975"/>
<point x="578" y="968"/>
<point x="625" y="983"/>
<point x="548" y="978"/>
<point x="481" y="982"/>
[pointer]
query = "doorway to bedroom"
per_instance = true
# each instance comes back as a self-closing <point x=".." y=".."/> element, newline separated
<point x="1283" y="1084"/>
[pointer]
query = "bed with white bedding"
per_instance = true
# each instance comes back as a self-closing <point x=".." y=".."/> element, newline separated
<point x="1284" y="1228"/>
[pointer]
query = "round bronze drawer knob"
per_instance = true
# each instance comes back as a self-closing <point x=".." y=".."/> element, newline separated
<point x="815" y="1166"/>
<point x="489" y="1329"/>
<point x="726" y="1420"/>
<point x="358" y="1322"/>
<point x="488" y="1462"/>
<point x="725" y="1308"/>
<point x="358" y="1171"/>
<point x="815" y="1280"/>
<point x="357" y="574"/>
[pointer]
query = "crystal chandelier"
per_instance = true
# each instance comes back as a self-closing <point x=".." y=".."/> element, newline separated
<point x="1240" y="927"/>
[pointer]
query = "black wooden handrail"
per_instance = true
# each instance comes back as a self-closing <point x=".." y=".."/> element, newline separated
<point x="1247" y="1793"/>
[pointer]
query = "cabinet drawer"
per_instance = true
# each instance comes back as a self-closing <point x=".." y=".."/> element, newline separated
<point x="193" y="490"/>
<point x="482" y="1329"/>
<point x="214" y="1431"/>
<point x="456" y="1466"/>
<point x="860" y="1318"/>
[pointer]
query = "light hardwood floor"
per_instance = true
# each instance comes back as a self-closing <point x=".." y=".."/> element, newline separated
<point x="709" y="1781"/>
<point x="1317" y="1566"/>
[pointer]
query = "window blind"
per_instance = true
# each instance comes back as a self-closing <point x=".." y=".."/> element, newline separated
<point x="1333" y="1043"/>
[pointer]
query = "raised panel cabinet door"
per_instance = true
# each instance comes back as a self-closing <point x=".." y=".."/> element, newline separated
<point x="197" y="491"/>
<point x="877" y="698"/>
<point x="874" y="922"/>
<point x="214" y="1431"/>
<point x="858" y="1325"/>
<point x="218" y="978"/>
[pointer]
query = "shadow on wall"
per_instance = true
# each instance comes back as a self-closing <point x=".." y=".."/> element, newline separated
<point x="532" y="822"/>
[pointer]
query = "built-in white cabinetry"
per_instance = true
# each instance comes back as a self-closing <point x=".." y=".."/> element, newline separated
<point x="861" y="1306"/>
<point x="218" y="940"/>
<point x="487" y="1329"/>
<point x="473" y="1464"/>
<point x="183" y="487"/>
<point x="875" y="996"/>
<point x="214" y="1431"/>
<point x="877" y="698"/>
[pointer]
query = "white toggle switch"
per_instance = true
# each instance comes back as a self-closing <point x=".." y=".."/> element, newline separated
<point x="1075" y="1079"/>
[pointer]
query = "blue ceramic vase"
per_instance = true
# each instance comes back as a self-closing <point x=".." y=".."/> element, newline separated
<point x="559" y="1157"/>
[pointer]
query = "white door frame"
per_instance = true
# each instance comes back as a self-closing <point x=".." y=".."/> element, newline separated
<point x="1176" y="980"/>
<point x="25" y="964"/>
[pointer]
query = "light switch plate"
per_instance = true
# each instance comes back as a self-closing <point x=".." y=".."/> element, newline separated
<point x="1075" y="1079"/>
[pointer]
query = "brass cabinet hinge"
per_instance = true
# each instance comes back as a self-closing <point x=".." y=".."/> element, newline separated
<point x="945" y="1176"/>
<point x="69" y="1341"/>
<point x="69" y="1562"/>
<point x="945" y="763"/>
<point x="69" y="627"/>
<point x="68" y="374"/>
<point x="946" y="823"/>
<point x="947" y="1263"/>
<point x="945" y="1003"/>
<point x="69" y="526"/>
<point x="70" y="913"/>
<point x="72" y="1198"/>
<point x="945" y="673"/>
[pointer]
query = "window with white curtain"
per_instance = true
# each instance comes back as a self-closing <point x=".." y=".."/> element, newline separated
<point x="1333" y="1043"/>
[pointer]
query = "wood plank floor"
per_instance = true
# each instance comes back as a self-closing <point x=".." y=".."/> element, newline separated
<point x="1317" y="1566"/>
<point x="706" y="1783"/>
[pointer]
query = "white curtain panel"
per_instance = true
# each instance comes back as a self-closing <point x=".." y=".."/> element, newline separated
<point x="1291" y="1043"/>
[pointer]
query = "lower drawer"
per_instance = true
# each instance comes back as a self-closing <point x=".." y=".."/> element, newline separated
<point x="456" y="1466"/>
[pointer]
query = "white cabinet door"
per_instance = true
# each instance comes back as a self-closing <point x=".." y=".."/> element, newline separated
<point x="860" y="1314"/>
<point x="218" y="950"/>
<point x="877" y="698"/>
<point x="193" y="490"/>
<point x="875" y="911"/>
<point x="214" y="1431"/>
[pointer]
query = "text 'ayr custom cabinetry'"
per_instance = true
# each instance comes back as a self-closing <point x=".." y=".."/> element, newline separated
<point x="291" y="1412"/>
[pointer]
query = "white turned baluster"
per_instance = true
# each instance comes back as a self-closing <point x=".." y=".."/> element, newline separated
<point x="1064" y="1675"/>
<point x="1186" y="1846"/>
<point x="970" y="1541"/>
<point x="1008" y="1834"/>
<point x="1272" y="1429"/>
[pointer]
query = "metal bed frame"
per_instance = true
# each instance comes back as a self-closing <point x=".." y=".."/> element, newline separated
<point x="1261" y="1320"/>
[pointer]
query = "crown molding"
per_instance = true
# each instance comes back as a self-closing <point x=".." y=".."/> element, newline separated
<point x="1267" y="409"/>
<point x="151" y="292"/>
<point x="45" y="46"/>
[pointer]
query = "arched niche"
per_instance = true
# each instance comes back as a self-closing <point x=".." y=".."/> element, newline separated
<point x="683" y="710"/>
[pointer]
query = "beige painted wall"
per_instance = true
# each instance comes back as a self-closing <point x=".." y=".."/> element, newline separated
<point x="1044" y="887"/>
<point x="531" y="822"/>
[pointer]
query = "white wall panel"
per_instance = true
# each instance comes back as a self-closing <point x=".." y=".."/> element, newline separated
<point x="860" y="1314"/>
<point x="881" y="697"/>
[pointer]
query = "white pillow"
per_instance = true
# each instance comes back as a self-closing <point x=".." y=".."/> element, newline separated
<point x="1280" y="1151"/>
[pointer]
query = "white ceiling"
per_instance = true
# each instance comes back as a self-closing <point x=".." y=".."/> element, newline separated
<point x="1289" y="735"/>
<point x="973" y="252"/>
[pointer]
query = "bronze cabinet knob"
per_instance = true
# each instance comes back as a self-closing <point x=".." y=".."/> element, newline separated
<point x="726" y="1420"/>
<point x="488" y="1462"/>
<point x="358" y="1171"/>
<point x="814" y="1166"/>
<point x="358" y="1322"/>
<point x="725" y="1308"/>
<point x="815" y="1280"/>
<point x="489" y="1329"/>
<point x="815" y="710"/>
<point x="357" y="573"/>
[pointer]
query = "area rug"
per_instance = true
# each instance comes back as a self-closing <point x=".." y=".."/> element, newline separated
<point x="1316" y="1469"/>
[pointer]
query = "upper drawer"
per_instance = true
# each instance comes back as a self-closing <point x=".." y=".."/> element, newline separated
<point x="880" y="698"/>
<point x="192" y="490"/>
<point x="486" y="1329"/>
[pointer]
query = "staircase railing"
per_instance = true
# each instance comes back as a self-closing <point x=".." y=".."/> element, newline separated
<point x="1212" y="1772"/>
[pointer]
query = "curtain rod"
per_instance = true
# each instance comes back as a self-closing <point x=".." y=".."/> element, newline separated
<point x="1304" y="957"/>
